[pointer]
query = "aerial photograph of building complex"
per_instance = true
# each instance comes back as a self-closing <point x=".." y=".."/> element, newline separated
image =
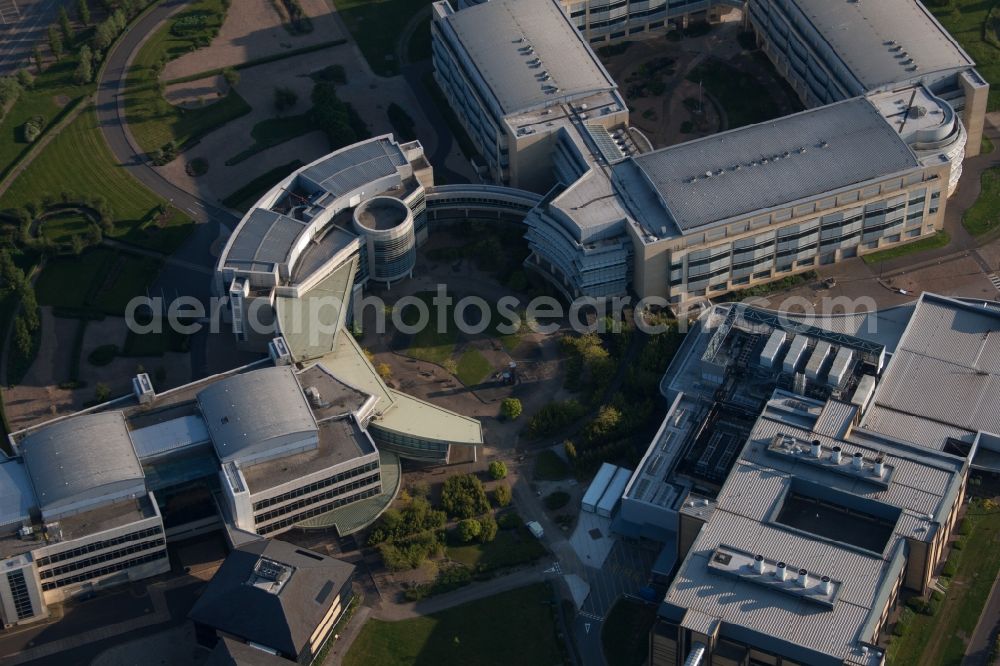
<point x="494" y="332"/>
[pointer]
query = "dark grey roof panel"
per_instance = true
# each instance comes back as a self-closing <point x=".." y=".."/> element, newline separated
<point x="773" y="163"/>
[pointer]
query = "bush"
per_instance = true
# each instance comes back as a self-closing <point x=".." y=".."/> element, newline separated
<point x="197" y="167"/>
<point x="949" y="569"/>
<point x="410" y="553"/>
<point x="502" y="495"/>
<point x="554" y="417"/>
<point x="103" y="355"/>
<point x="487" y="528"/>
<point x="33" y="129"/>
<point x="468" y="529"/>
<point x="284" y="99"/>
<point x="498" y="470"/>
<point x="557" y="500"/>
<point x="464" y="497"/>
<point x="510" y="521"/>
<point x="416" y="517"/>
<point x="958" y="544"/>
<point x="903" y="622"/>
<point x="511" y="408"/>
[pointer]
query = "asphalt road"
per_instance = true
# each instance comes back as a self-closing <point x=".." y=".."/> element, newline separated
<point x="18" y="38"/>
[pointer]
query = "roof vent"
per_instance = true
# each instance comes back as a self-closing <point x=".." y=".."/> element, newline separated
<point x="781" y="571"/>
<point x="803" y="578"/>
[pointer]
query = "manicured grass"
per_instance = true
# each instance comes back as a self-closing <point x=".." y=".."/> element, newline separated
<point x="62" y="226"/>
<point x="941" y="639"/>
<point x="246" y="196"/>
<point x="154" y="121"/>
<point x="376" y="26"/>
<point x="984" y="215"/>
<point x="743" y="98"/>
<point x="511" y="548"/>
<point x="625" y="633"/>
<point x="429" y="343"/>
<point x="940" y="239"/>
<point x="789" y="282"/>
<point x="274" y="131"/>
<point x="965" y="20"/>
<point x="419" y="47"/>
<point x="985" y="146"/>
<point x="78" y="162"/>
<point x="515" y="627"/>
<point x="53" y="93"/>
<point x="100" y="279"/>
<point x="550" y="467"/>
<point x="473" y="367"/>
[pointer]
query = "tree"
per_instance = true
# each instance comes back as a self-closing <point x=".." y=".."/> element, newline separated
<point x="11" y="276"/>
<point x="511" y="408"/>
<point x="36" y="54"/>
<point x="83" y="11"/>
<point x="25" y="78"/>
<point x="85" y="70"/>
<point x="55" y="43"/>
<point x="570" y="449"/>
<point x="65" y="26"/>
<point x="502" y="495"/>
<point x="29" y="306"/>
<point x="22" y="337"/>
<point x="498" y="470"/>
<point x="102" y="392"/>
<point x="469" y="529"/>
<point x="463" y="496"/>
<point x="231" y="76"/>
<point x="487" y="528"/>
<point x="284" y="98"/>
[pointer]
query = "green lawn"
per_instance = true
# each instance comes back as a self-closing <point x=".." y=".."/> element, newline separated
<point x="246" y="196"/>
<point x="429" y="343"/>
<point x="965" y="20"/>
<point x="53" y="94"/>
<point x="510" y="548"/>
<point x="978" y="563"/>
<point x="473" y="367"/>
<point x="154" y="121"/>
<point x="515" y="627"/>
<point x="984" y="215"/>
<point x="100" y="279"/>
<point x="940" y="239"/>
<point x="79" y="163"/>
<point x="550" y="467"/>
<point x="419" y="47"/>
<point x="745" y="101"/>
<point x="62" y="226"/>
<point x="625" y="633"/>
<point x="273" y="131"/>
<point x="985" y="145"/>
<point x="376" y="26"/>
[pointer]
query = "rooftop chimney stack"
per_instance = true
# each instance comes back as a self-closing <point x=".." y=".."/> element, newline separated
<point x="803" y="578"/>
<point x="827" y="585"/>
<point x="817" y="449"/>
<point x="880" y="467"/>
<point x="781" y="572"/>
<point x="859" y="461"/>
<point x="835" y="455"/>
<point x="758" y="563"/>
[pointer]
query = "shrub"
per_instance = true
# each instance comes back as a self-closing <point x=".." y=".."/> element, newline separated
<point x="197" y="167"/>
<point x="284" y="98"/>
<point x="687" y="127"/>
<point x="949" y="569"/>
<point x="498" y="470"/>
<point x="468" y="529"/>
<point x="102" y="393"/>
<point x="103" y="355"/>
<point x="464" y="497"/>
<point x="511" y="408"/>
<point x="502" y="495"/>
<point x="394" y="524"/>
<point x="33" y="128"/>
<point x="554" y="417"/>
<point x="557" y="500"/>
<point x="231" y="76"/>
<point x="487" y="529"/>
<point x="903" y="622"/>
<point x="958" y="544"/>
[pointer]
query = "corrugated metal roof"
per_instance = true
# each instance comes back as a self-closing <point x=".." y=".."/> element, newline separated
<point x="774" y="163"/>
<point x="911" y="428"/>
<point x="171" y="435"/>
<point x="497" y="36"/>
<point x="16" y="496"/>
<point x="79" y="456"/>
<point x="864" y="35"/>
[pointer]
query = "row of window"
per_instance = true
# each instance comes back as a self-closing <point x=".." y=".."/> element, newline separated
<point x="98" y="545"/>
<point x="103" y="571"/>
<point x="315" y="511"/>
<point x="313" y="499"/>
<point x="19" y="592"/>
<point x="98" y="559"/>
<point x="313" y="487"/>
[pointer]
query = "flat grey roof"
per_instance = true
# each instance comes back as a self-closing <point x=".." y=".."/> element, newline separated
<point x="263" y="239"/>
<point x="946" y="370"/>
<point x="338" y="397"/>
<point x="769" y="165"/>
<point x="339" y="441"/>
<point x="80" y="457"/>
<point x="351" y="167"/>
<point x="490" y="31"/>
<point x="245" y="412"/>
<point x="860" y="34"/>
<point x="16" y="496"/>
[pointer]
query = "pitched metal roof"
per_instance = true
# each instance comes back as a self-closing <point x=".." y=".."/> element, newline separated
<point x="886" y="41"/>
<point x="81" y="457"/>
<point x="246" y="412"/>
<point x="503" y="36"/>
<point x="284" y="620"/>
<point x="770" y="164"/>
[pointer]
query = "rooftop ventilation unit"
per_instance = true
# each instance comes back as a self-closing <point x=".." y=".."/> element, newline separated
<point x="143" y="388"/>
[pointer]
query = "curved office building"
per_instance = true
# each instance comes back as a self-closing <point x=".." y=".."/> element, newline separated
<point x="387" y="225"/>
